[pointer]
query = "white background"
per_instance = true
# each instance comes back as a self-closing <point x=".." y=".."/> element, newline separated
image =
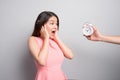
<point x="92" y="61"/>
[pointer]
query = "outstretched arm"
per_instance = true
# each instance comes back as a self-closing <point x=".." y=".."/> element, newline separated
<point x="111" y="39"/>
<point x="97" y="36"/>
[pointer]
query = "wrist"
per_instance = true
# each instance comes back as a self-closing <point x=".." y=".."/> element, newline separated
<point x="46" y="39"/>
<point x="56" y="39"/>
<point x="102" y="38"/>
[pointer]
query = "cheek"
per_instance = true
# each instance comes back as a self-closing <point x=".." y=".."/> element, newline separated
<point x="48" y="29"/>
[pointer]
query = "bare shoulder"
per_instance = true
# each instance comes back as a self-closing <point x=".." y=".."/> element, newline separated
<point x="31" y="40"/>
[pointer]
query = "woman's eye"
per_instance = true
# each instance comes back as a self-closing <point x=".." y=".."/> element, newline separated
<point x="52" y="23"/>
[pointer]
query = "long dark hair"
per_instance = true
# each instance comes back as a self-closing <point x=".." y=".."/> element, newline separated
<point x="42" y="18"/>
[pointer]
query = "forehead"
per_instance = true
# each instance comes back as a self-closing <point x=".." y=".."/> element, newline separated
<point x="53" y="18"/>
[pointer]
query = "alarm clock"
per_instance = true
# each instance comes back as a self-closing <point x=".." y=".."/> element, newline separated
<point x="87" y="29"/>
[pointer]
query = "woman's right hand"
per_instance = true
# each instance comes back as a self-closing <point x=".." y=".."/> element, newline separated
<point x="44" y="33"/>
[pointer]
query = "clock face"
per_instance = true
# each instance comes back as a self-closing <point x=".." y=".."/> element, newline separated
<point x="87" y="30"/>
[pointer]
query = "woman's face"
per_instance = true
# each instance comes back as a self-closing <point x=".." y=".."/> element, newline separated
<point x="51" y="26"/>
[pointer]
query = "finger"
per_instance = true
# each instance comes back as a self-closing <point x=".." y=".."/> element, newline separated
<point x="42" y="29"/>
<point x="88" y="37"/>
<point x="44" y="26"/>
<point x="94" y="28"/>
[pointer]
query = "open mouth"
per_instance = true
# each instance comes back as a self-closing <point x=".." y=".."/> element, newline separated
<point x="53" y="32"/>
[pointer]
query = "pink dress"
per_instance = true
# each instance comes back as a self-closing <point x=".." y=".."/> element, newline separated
<point x="52" y="69"/>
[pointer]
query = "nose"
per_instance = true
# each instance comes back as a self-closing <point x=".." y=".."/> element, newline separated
<point x="55" y="26"/>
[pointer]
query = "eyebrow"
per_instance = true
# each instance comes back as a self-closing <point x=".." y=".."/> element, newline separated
<point x="52" y="21"/>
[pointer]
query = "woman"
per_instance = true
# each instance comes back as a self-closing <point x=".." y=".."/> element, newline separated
<point x="47" y="49"/>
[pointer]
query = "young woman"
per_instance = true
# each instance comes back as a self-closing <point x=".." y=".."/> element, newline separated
<point x="47" y="49"/>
